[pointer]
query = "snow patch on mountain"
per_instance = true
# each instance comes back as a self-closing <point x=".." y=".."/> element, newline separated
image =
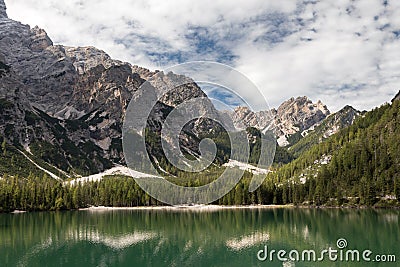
<point x="246" y="167"/>
<point x="118" y="170"/>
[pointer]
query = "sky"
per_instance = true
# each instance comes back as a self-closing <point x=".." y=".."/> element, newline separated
<point x="338" y="51"/>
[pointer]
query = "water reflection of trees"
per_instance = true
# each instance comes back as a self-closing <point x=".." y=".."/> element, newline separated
<point x="201" y="233"/>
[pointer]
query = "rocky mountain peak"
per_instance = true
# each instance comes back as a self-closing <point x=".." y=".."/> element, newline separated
<point x="3" y="12"/>
<point x="88" y="57"/>
<point x="72" y="100"/>
<point x="143" y="72"/>
<point x="302" y="104"/>
<point x="242" y="109"/>
<point x="39" y="40"/>
<point x="244" y="117"/>
<point x="295" y="115"/>
<point x="339" y="120"/>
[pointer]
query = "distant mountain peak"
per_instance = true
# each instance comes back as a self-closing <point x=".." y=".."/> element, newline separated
<point x="40" y="40"/>
<point x="326" y="128"/>
<point x="302" y="104"/>
<point x="292" y="116"/>
<point x="347" y="108"/>
<point x="341" y="119"/>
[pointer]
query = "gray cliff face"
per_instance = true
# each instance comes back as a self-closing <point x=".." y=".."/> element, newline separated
<point x="72" y="100"/>
<point x="299" y="114"/>
<point x="339" y="120"/>
<point x="328" y="127"/>
<point x="43" y="69"/>
<point x="292" y="116"/>
<point x="3" y="12"/>
<point x="54" y="74"/>
<point x="67" y="104"/>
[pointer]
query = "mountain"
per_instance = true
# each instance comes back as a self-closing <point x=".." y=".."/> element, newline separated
<point x="65" y="105"/>
<point x="292" y="117"/>
<point x="358" y="165"/>
<point x="328" y="127"/>
<point x="62" y="111"/>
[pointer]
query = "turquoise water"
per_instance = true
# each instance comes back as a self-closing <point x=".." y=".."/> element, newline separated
<point x="192" y="237"/>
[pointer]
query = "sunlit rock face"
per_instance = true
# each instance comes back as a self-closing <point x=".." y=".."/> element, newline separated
<point x="73" y="99"/>
<point x="292" y="116"/>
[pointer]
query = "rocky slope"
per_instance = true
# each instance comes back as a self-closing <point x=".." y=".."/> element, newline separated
<point x="356" y="166"/>
<point x="328" y="127"/>
<point x="293" y="116"/>
<point x="66" y="105"/>
<point x="3" y="12"/>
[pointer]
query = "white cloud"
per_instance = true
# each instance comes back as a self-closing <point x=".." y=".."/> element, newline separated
<point x="339" y="51"/>
<point x="348" y="61"/>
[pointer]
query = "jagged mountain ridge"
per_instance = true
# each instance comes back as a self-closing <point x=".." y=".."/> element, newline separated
<point x="70" y="101"/>
<point x="292" y="116"/>
<point x="67" y="104"/>
<point x="328" y="127"/>
<point x="357" y="165"/>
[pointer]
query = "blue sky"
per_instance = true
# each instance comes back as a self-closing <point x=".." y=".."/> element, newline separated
<point x="223" y="98"/>
<point x="339" y="51"/>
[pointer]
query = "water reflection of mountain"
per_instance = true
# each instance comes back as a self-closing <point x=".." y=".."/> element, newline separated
<point x="168" y="238"/>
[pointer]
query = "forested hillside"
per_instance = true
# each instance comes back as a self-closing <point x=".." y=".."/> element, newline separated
<point x="331" y="125"/>
<point x="358" y="166"/>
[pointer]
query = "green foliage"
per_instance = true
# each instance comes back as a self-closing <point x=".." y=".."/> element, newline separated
<point x="221" y="140"/>
<point x="13" y="162"/>
<point x="49" y="153"/>
<point x="364" y="162"/>
<point x="282" y="155"/>
<point x="43" y="193"/>
<point x="341" y="119"/>
<point x="196" y="179"/>
<point x="4" y="147"/>
<point x="363" y="168"/>
<point x="36" y="193"/>
<point x="31" y="193"/>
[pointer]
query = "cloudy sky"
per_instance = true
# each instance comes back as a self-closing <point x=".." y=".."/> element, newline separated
<point x="339" y="51"/>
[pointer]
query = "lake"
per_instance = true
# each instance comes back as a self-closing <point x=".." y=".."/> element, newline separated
<point x="183" y="237"/>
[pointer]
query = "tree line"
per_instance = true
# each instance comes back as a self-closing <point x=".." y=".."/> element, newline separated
<point x="363" y="169"/>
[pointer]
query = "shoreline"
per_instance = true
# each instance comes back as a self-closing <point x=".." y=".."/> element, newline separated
<point x="233" y="207"/>
<point x="208" y="208"/>
<point x="184" y="207"/>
